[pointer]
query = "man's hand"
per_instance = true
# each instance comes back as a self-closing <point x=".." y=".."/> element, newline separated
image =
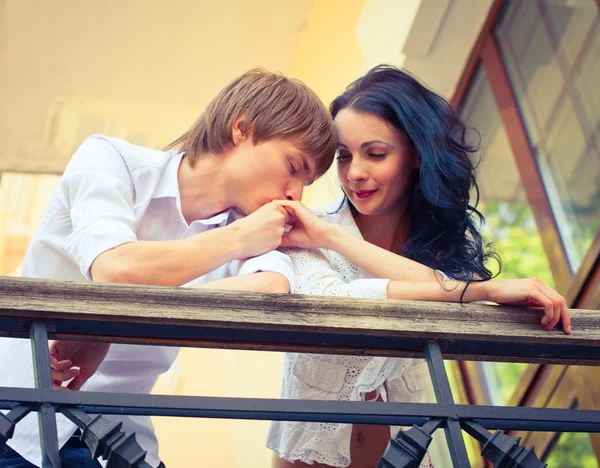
<point x="67" y="356"/>
<point x="308" y="230"/>
<point x="259" y="232"/>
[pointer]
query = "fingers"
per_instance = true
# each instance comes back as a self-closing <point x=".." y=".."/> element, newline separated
<point x="78" y="381"/>
<point x="61" y="371"/>
<point x="561" y="310"/>
<point x="289" y="203"/>
<point x="555" y="307"/>
<point x="556" y="313"/>
<point x="62" y="376"/>
<point x="60" y="365"/>
<point x="547" y="304"/>
<point x="287" y="241"/>
<point x="565" y="318"/>
<point x="294" y="207"/>
<point x="287" y="212"/>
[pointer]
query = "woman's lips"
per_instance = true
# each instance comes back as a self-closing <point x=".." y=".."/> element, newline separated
<point x="362" y="194"/>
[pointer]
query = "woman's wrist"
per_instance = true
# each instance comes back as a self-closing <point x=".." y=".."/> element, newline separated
<point x="477" y="291"/>
<point x="332" y="237"/>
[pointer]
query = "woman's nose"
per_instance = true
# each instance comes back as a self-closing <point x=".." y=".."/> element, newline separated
<point x="356" y="172"/>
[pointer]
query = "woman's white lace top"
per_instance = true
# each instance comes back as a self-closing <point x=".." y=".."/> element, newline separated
<point x="329" y="377"/>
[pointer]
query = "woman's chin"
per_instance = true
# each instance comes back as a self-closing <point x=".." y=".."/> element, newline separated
<point x="366" y="209"/>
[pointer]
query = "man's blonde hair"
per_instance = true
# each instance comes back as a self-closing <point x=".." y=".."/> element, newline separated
<point x="271" y="106"/>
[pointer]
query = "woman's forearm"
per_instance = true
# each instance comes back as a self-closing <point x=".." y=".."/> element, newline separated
<point x="377" y="261"/>
<point x="263" y="281"/>
<point x="442" y="291"/>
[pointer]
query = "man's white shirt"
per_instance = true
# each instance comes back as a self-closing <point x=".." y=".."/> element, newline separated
<point x="112" y="193"/>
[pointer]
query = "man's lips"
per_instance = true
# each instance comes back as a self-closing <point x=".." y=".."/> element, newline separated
<point x="362" y="194"/>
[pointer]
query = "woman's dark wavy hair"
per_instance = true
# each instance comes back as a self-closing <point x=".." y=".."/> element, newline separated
<point x="444" y="231"/>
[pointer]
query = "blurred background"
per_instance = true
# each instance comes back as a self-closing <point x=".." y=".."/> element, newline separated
<point x="521" y="71"/>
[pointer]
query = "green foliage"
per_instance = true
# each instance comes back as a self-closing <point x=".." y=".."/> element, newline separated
<point x="512" y="230"/>
<point x="573" y="449"/>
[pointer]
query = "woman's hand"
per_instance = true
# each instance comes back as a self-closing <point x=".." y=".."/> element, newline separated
<point x="531" y="292"/>
<point x="308" y="230"/>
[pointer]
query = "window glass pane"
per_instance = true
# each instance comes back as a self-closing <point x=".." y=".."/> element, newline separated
<point x="502" y="379"/>
<point x="509" y="220"/>
<point x="569" y="23"/>
<point x="551" y="51"/>
<point x="573" y="170"/>
<point x="531" y="63"/>
<point x="587" y="77"/>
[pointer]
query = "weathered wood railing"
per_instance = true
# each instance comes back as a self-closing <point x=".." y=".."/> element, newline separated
<point x="202" y="318"/>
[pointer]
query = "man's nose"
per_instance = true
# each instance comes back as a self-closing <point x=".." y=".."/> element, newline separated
<point x="294" y="191"/>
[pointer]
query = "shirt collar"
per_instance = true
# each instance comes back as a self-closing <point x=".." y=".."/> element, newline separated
<point x="224" y="217"/>
<point x="168" y="185"/>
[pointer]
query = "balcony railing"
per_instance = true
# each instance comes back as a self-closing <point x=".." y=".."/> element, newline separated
<point x="39" y="310"/>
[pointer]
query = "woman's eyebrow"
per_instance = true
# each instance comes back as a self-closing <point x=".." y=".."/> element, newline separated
<point x="367" y="143"/>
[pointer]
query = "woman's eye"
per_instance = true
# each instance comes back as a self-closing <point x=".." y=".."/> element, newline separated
<point x="293" y="170"/>
<point x="341" y="157"/>
<point x="377" y="155"/>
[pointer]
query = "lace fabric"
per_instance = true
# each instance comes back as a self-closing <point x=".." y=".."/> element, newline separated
<point x="333" y="377"/>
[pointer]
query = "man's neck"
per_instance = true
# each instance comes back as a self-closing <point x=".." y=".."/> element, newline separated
<point x="203" y="187"/>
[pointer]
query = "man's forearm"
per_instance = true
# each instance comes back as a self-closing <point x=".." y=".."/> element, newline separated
<point x="377" y="261"/>
<point x="167" y="263"/>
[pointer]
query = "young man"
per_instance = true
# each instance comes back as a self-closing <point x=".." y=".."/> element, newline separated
<point x="201" y="212"/>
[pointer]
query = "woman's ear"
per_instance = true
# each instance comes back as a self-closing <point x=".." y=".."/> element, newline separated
<point x="239" y="132"/>
<point x="417" y="161"/>
<point x="416" y="156"/>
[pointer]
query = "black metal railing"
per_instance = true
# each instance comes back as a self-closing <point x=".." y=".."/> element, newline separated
<point x="170" y="316"/>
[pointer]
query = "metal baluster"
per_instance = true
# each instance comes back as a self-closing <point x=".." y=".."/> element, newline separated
<point x="8" y="422"/>
<point x="104" y="438"/>
<point x="443" y="394"/>
<point x="43" y="379"/>
<point x="502" y="450"/>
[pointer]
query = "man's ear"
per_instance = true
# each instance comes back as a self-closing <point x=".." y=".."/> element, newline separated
<point x="239" y="131"/>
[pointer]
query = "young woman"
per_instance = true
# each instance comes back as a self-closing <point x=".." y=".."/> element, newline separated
<point x="406" y="170"/>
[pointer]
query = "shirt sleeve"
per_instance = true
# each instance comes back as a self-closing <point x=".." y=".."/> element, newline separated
<point x="98" y="192"/>
<point x="274" y="261"/>
<point x="315" y="276"/>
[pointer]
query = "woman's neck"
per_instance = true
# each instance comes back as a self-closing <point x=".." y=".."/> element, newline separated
<point x="388" y="230"/>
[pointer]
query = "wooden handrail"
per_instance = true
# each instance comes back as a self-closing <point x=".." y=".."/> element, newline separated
<point x="203" y="318"/>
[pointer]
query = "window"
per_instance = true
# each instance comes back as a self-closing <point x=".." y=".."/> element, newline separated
<point x="551" y="50"/>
